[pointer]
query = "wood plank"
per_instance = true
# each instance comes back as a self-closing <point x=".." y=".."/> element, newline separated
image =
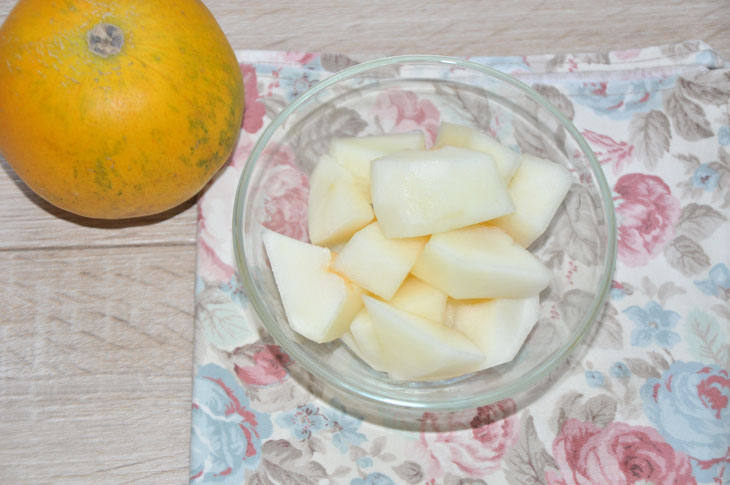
<point x="472" y="27"/>
<point x="95" y="364"/>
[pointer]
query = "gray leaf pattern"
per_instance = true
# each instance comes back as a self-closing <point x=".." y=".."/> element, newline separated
<point x="527" y="460"/>
<point x="711" y="87"/>
<point x="313" y="139"/>
<point x="642" y="368"/>
<point x="699" y="221"/>
<point x="409" y="472"/>
<point x="686" y="255"/>
<point x="573" y="226"/>
<point x="650" y="135"/>
<point x="273" y="104"/>
<point x="475" y="108"/>
<point x="450" y="479"/>
<point x="688" y="117"/>
<point x="336" y="62"/>
<point x="686" y="47"/>
<point x="553" y="94"/>
<point x="567" y="406"/>
<point x="283" y="464"/>
<point x="668" y="290"/>
<point x="658" y="360"/>
<point x="538" y="133"/>
<point x="608" y="333"/>
<point x="600" y="409"/>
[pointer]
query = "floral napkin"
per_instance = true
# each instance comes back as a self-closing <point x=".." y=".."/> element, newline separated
<point x="644" y="399"/>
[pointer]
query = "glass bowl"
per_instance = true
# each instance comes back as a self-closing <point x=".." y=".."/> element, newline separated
<point x="406" y="93"/>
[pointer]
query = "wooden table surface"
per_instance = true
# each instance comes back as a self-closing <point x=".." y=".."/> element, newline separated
<point x="96" y="318"/>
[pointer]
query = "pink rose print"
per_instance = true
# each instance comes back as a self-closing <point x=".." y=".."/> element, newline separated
<point x="301" y="58"/>
<point x="215" y="255"/>
<point x="472" y="452"/>
<point x="627" y="54"/>
<point x="618" y="454"/>
<point x="287" y="190"/>
<point x="609" y="151"/>
<point x="254" y="110"/>
<point x="242" y="151"/>
<point x="647" y="212"/>
<point x="269" y="367"/>
<point x="402" y="111"/>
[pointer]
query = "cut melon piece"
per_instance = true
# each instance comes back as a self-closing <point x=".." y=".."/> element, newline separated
<point x="318" y="304"/>
<point x="363" y="333"/>
<point x="337" y="208"/>
<point x="498" y="327"/>
<point x="455" y="135"/>
<point x="415" y="296"/>
<point x="421" y="192"/>
<point x="480" y="262"/>
<point x="537" y="190"/>
<point x="376" y="263"/>
<point x="356" y="153"/>
<point x="415" y="348"/>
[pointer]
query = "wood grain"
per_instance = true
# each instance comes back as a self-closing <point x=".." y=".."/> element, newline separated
<point x="95" y="367"/>
<point x="96" y="317"/>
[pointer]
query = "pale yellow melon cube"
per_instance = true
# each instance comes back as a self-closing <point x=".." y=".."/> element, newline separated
<point x="415" y="348"/>
<point x="415" y="296"/>
<point x="480" y="262"/>
<point x="318" y="304"/>
<point x="507" y="160"/>
<point x="337" y="208"/>
<point x="421" y="192"/>
<point x="356" y="153"/>
<point x="376" y="263"/>
<point x="363" y="333"/>
<point x="537" y="190"/>
<point x="498" y="327"/>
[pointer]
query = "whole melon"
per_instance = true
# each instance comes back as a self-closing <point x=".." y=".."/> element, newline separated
<point x="117" y="109"/>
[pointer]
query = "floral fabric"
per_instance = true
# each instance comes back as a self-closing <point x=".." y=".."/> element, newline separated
<point x="644" y="399"/>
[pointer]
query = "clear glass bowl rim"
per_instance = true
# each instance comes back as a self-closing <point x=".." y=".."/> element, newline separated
<point x="455" y="403"/>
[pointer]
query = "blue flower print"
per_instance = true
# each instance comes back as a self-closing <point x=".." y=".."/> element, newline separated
<point x="653" y="323"/>
<point x="364" y="462"/>
<point x="302" y="421"/>
<point x="226" y="432"/>
<point x="621" y="99"/>
<point x="619" y="370"/>
<point x="373" y="479"/>
<point x="719" y="278"/>
<point x="594" y="378"/>
<point x="690" y="406"/>
<point x="705" y="177"/>
<point x="344" y="427"/>
<point x="723" y="135"/>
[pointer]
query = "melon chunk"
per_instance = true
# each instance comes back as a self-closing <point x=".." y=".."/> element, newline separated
<point x="498" y="327"/>
<point x="337" y="208"/>
<point x="376" y="263"/>
<point x="318" y="304"/>
<point x="506" y="160"/>
<point x="363" y="333"/>
<point x="537" y="190"/>
<point x="415" y="348"/>
<point x="421" y="192"/>
<point x="356" y="153"/>
<point x="480" y="262"/>
<point x="419" y="298"/>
